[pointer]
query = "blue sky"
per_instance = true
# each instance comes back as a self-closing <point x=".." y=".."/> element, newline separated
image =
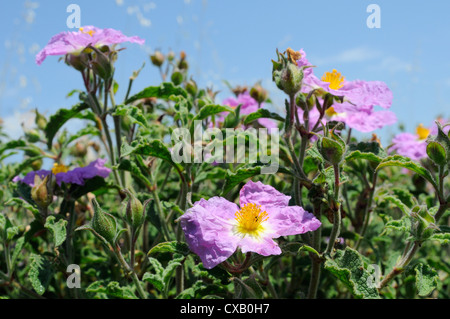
<point x="235" y="41"/>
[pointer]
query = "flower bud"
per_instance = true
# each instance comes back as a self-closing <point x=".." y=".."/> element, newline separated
<point x="423" y="225"/>
<point x="40" y="192"/>
<point x="286" y="74"/>
<point x="157" y="58"/>
<point x="191" y="87"/>
<point x="332" y="148"/>
<point x="134" y="211"/>
<point x="177" y="78"/>
<point x="32" y="135"/>
<point x="258" y="93"/>
<point x="102" y="65"/>
<point x="182" y="64"/>
<point x="40" y="120"/>
<point x="77" y="61"/>
<point x="436" y="152"/>
<point x="103" y="223"/>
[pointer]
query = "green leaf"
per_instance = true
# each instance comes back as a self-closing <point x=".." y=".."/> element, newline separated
<point x="248" y="288"/>
<point x="170" y="247"/>
<point x="155" y="279"/>
<point x="17" y="252"/>
<point x="153" y="148"/>
<point x="133" y="168"/>
<point x="397" y="202"/>
<point x="58" y="229"/>
<point x="212" y="109"/>
<point x="400" y="161"/>
<point x="234" y="178"/>
<point x="348" y="266"/>
<point x="112" y="289"/>
<point x="88" y="130"/>
<point x="57" y="120"/>
<point x="262" y="113"/>
<point x="40" y="274"/>
<point x="216" y="173"/>
<point x="426" y="279"/>
<point x="22" y="203"/>
<point x="12" y="145"/>
<point x="370" y="151"/>
<point x="134" y="113"/>
<point x="436" y="152"/>
<point x="164" y="91"/>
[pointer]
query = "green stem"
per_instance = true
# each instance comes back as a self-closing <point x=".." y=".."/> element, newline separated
<point x="336" y="213"/>
<point x="367" y="211"/>
<point x="409" y="252"/>
<point x="129" y="270"/>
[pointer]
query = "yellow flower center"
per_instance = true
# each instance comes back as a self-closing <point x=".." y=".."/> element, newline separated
<point x="335" y="79"/>
<point x="59" y="168"/>
<point x="330" y="111"/>
<point x="90" y="32"/>
<point x="422" y="132"/>
<point x="249" y="218"/>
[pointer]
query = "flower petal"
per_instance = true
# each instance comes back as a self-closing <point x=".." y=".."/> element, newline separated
<point x="207" y="230"/>
<point x="264" y="246"/>
<point x="264" y="195"/>
<point x="291" y="220"/>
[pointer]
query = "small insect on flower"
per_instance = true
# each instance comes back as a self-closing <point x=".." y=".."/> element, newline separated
<point x="215" y="228"/>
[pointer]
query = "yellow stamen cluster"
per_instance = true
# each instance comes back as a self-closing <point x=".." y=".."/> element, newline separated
<point x="335" y="79"/>
<point x="249" y="218"/>
<point x="90" y="32"/>
<point x="422" y="132"/>
<point x="59" y="168"/>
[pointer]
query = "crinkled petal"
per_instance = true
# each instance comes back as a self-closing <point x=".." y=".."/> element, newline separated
<point x="29" y="178"/>
<point x="80" y="174"/>
<point x="264" y="246"/>
<point x="207" y="230"/>
<point x="291" y="220"/>
<point x="261" y="194"/>
<point x="368" y="122"/>
<point x="75" y="41"/>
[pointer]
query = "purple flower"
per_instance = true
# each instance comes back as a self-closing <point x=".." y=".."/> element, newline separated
<point x="76" y="176"/>
<point x="414" y="146"/>
<point x="409" y="145"/>
<point x="366" y="121"/>
<point x="74" y="42"/>
<point x="360" y="97"/>
<point x="249" y="105"/>
<point x="215" y="228"/>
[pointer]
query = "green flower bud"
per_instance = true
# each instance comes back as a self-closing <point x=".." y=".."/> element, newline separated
<point x="40" y="192"/>
<point x="134" y="211"/>
<point x="258" y="93"/>
<point x="77" y="61"/>
<point x="424" y="224"/>
<point x="286" y="74"/>
<point x="40" y="120"/>
<point x="436" y="152"/>
<point x="191" y="87"/>
<point x="32" y="136"/>
<point x="157" y="58"/>
<point x="103" y="223"/>
<point x="102" y="64"/>
<point x="177" y="78"/>
<point x="332" y="148"/>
